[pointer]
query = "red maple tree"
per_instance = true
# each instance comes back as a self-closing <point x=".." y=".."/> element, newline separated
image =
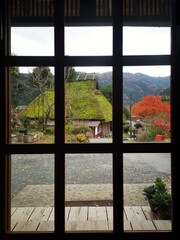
<point x="150" y="106"/>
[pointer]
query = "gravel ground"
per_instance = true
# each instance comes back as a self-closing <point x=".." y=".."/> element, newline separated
<point x="29" y="170"/>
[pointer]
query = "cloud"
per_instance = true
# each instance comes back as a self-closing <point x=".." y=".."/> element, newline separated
<point x="32" y="41"/>
<point x="146" y="40"/>
<point x="97" y="41"/>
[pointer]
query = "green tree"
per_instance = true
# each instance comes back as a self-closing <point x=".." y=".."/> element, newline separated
<point x="17" y="87"/>
<point x="126" y="112"/>
<point x="42" y="81"/>
<point x="41" y="78"/>
<point x="126" y="115"/>
<point x="107" y="91"/>
<point x="70" y="76"/>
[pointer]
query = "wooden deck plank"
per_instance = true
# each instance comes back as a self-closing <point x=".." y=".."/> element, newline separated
<point x="26" y="226"/>
<point x="110" y="225"/>
<point x="96" y="225"/>
<point x="124" y="215"/>
<point x="163" y="225"/>
<point x="75" y="225"/>
<point x="109" y="213"/>
<point x="78" y="214"/>
<point x="148" y="213"/>
<point x="86" y="219"/>
<point x="40" y="214"/>
<point x="129" y="213"/>
<point x="134" y="213"/>
<point x="13" y="224"/>
<point x="13" y="209"/>
<point x="46" y="226"/>
<point x="67" y="211"/>
<point x="140" y="225"/>
<point x="127" y="225"/>
<point x="97" y="213"/>
<point x="22" y="213"/>
<point x="51" y="216"/>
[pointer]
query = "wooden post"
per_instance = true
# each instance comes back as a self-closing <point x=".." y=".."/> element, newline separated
<point x="88" y="8"/>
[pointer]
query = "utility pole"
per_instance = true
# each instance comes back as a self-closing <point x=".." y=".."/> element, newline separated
<point x="130" y="110"/>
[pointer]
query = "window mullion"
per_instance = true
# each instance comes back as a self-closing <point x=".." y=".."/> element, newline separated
<point x="59" y="117"/>
<point x="2" y="110"/>
<point x="117" y="116"/>
<point x="175" y="118"/>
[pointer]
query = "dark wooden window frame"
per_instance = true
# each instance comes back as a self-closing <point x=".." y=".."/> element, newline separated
<point x="59" y="148"/>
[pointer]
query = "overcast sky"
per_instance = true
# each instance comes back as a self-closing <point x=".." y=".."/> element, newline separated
<point x="81" y="41"/>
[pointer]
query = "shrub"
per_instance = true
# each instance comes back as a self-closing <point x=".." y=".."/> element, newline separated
<point x="70" y="138"/>
<point x="163" y="127"/>
<point x="81" y="128"/>
<point x="150" y="133"/>
<point x="145" y="136"/>
<point x="126" y="128"/>
<point x="25" y="121"/>
<point x="49" y="130"/>
<point x="69" y="127"/>
<point x="77" y="132"/>
<point x="81" y="137"/>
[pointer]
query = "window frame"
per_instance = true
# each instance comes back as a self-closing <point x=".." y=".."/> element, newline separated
<point x="117" y="148"/>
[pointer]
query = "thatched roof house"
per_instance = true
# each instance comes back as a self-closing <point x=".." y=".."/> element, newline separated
<point x="84" y="102"/>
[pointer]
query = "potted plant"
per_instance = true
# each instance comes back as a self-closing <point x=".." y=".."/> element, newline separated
<point x="149" y="192"/>
<point x="158" y="197"/>
<point x="163" y="204"/>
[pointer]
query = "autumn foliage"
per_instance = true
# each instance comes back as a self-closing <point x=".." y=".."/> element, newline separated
<point x="162" y="124"/>
<point x="150" y="106"/>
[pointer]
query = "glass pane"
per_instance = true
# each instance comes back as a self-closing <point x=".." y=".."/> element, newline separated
<point x="147" y="99"/>
<point x="32" y="41"/>
<point x="32" y="192"/>
<point x="146" y="40"/>
<point x="88" y="92"/>
<point x="88" y="192"/>
<point x="88" y="41"/>
<point x="147" y="183"/>
<point x="32" y="101"/>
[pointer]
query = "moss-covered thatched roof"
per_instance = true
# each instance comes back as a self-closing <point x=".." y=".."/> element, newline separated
<point x="83" y="102"/>
<point x="40" y="104"/>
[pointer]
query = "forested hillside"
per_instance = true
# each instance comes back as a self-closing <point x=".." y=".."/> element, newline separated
<point x="139" y="84"/>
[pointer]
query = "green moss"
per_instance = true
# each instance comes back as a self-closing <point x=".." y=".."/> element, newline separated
<point x="82" y="102"/>
<point x="35" y="108"/>
<point x="105" y="107"/>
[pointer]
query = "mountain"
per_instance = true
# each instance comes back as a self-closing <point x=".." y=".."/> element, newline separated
<point x="138" y="84"/>
<point x="165" y="92"/>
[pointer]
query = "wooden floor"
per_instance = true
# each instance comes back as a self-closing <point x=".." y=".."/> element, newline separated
<point x="86" y="219"/>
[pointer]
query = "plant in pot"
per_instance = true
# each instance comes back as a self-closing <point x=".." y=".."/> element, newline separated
<point x="149" y="192"/>
<point x="157" y="195"/>
<point x="163" y="204"/>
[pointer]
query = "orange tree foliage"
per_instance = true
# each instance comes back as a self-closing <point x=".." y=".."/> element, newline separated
<point x="150" y="106"/>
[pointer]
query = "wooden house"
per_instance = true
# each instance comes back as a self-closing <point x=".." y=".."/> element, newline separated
<point x="84" y="103"/>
